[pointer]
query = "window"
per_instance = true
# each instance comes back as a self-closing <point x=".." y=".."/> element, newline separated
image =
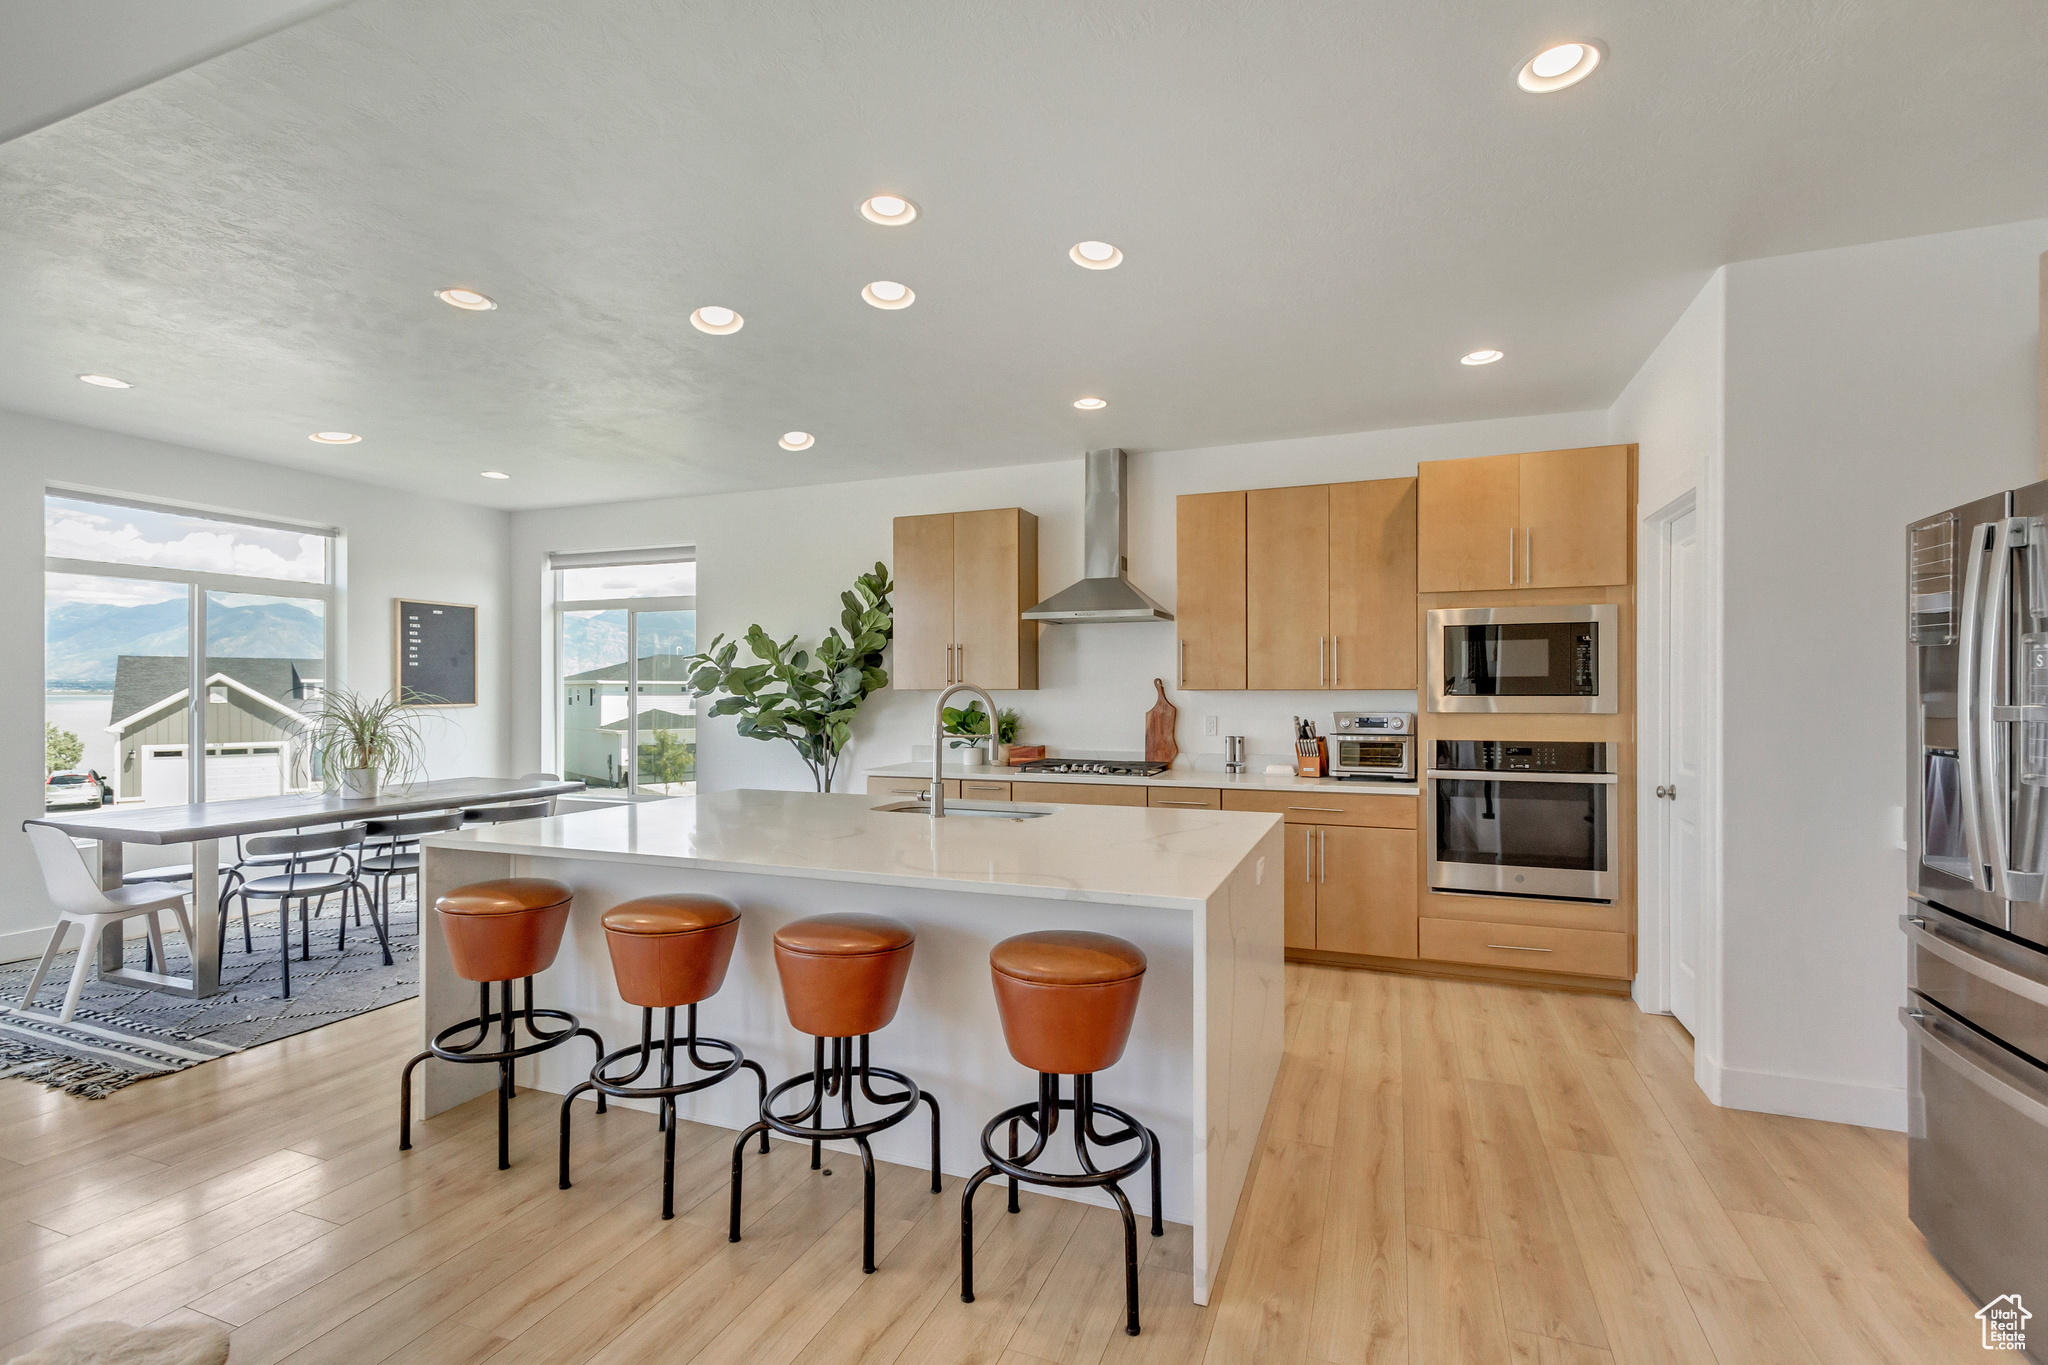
<point x="624" y="623"/>
<point x="165" y="629"/>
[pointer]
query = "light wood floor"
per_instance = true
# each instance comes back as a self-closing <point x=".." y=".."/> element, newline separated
<point x="1452" y="1172"/>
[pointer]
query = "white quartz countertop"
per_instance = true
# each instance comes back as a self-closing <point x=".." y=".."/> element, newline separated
<point x="1113" y="855"/>
<point x="1172" y="777"/>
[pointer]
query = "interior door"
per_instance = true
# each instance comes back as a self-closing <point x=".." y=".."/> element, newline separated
<point x="1372" y="585"/>
<point x="1287" y="588"/>
<point x="1298" y="927"/>
<point x="1467" y="527"/>
<point x="923" y="603"/>
<point x="985" y="606"/>
<point x="1209" y="602"/>
<point x="1575" y="517"/>
<point x="1365" y="891"/>
<point x="1683" y="665"/>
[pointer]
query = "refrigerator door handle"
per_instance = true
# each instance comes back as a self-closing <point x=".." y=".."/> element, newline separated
<point x="1969" y="646"/>
<point x="1994" y="746"/>
<point x="1919" y="1024"/>
<point x="1921" y="933"/>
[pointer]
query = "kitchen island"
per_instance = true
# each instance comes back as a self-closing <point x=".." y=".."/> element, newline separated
<point x="1199" y="891"/>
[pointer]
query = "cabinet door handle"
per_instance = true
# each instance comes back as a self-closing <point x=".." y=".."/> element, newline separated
<point x="1183" y="663"/>
<point x="1323" y="855"/>
<point x="960" y="662"/>
<point x="1203" y="804"/>
<point x="1511" y="556"/>
<point x="1336" y="668"/>
<point x="1322" y="661"/>
<point x="949" y="665"/>
<point x="1528" y="555"/>
<point x="1518" y="948"/>
<point x="1308" y="856"/>
<point x="1330" y="810"/>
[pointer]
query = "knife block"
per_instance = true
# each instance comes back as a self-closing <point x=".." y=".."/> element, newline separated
<point x="1315" y="764"/>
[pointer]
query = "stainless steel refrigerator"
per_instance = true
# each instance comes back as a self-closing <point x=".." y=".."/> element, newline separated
<point x="1976" y="1015"/>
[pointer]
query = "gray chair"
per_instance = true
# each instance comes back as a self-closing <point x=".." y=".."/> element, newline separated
<point x="397" y="854"/>
<point x="305" y="884"/>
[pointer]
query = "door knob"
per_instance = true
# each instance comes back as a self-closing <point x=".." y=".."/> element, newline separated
<point x="1663" y="792"/>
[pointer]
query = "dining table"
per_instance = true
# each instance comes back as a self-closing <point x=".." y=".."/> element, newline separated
<point x="205" y="824"/>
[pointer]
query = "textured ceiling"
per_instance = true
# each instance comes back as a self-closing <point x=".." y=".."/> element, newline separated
<point x="1322" y="206"/>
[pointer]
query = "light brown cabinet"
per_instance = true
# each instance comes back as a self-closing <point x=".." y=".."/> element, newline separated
<point x="1350" y="890"/>
<point x="908" y="786"/>
<point x="1080" y="794"/>
<point x="963" y="583"/>
<point x="1209" y="612"/>
<point x="1298" y="589"/>
<point x="1545" y="519"/>
<point x="1185" y="798"/>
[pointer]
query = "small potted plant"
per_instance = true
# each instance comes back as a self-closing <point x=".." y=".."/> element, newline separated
<point x="971" y="723"/>
<point x="363" y="742"/>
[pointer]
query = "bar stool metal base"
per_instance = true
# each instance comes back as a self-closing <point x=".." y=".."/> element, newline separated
<point x="622" y="1087"/>
<point x="508" y="1052"/>
<point x="838" y="1078"/>
<point x="1043" y="1119"/>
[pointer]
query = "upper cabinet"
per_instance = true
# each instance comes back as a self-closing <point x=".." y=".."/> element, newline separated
<point x="1547" y="519"/>
<point x="1298" y="589"/>
<point x="963" y="583"/>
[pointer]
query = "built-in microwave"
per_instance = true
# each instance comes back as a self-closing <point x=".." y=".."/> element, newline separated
<point x="1503" y="818"/>
<point x="1523" y="659"/>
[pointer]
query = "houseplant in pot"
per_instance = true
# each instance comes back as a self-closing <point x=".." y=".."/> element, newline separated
<point x="363" y="742"/>
<point x="970" y="723"/>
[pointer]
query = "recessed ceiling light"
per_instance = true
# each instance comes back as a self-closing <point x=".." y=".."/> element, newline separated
<point x="890" y="210"/>
<point x="797" y="440"/>
<point x="494" y="474"/>
<point x="106" y="381"/>
<point x="466" y="299"/>
<point x="889" y="294"/>
<point x="717" y="321"/>
<point x="1558" y="66"/>
<point x="335" y="438"/>
<point x="1480" y="358"/>
<point x="1091" y="404"/>
<point x="1096" y="255"/>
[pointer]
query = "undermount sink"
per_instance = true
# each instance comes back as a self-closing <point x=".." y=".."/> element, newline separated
<point x="968" y="809"/>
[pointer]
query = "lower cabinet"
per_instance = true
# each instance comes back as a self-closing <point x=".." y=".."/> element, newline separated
<point x="1531" y="947"/>
<point x="908" y="786"/>
<point x="975" y="789"/>
<point x="1351" y="889"/>
<point x="1081" y="794"/>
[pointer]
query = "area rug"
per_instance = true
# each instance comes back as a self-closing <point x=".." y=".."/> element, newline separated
<point x="122" y="1034"/>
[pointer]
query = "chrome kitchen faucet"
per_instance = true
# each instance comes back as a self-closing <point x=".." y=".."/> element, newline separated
<point x="939" y="741"/>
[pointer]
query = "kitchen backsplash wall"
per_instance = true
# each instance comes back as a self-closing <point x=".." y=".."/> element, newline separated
<point x="782" y="557"/>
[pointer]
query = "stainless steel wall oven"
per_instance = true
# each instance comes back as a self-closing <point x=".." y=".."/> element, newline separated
<point x="1555" y="659"/>
<point x="1511" y="819"/>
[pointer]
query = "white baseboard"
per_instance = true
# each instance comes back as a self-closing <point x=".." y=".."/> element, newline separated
<point x="28" y="943"/>
<point x="1803" y="1097"/>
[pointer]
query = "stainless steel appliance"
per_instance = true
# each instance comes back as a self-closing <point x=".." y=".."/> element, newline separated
<point x="1976" y="922"/>
<point x="1367" y="745"/>
<point x="1523" y="659"/>
<point x="1234" y="760"/>
<point x="1510" y="819"/>
<point x="1095" y="767"/>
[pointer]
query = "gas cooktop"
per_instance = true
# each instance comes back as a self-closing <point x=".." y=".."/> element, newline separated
<point x="1095" y="767"/>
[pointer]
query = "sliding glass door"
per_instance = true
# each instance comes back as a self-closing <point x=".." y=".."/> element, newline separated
<point x="625" y="624"/>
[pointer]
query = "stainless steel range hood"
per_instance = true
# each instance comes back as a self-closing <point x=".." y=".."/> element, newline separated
<point x="1105" y="594"/>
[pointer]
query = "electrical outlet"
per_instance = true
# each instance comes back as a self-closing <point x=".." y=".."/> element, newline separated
<point x="1208" y="725"/>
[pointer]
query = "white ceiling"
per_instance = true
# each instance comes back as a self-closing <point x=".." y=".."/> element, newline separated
<point x="1323" y="205"/>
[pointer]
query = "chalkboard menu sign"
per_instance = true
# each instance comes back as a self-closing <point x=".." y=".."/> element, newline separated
<point x="435" y="654"/>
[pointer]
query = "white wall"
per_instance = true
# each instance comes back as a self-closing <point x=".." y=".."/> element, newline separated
<point x="399" y="544"/>
<point x="1672" y="409"/>
<point x="781" y="558"/>
<point x="1865" y="387"/>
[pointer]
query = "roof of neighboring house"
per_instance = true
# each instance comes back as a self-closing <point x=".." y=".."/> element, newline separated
<point x="656" y="719"/>
<point x="143" y="680"/>
<point x="653" y="668"/>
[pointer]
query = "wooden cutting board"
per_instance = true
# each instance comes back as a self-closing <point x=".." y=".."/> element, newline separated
<point x="1159" y="722"/>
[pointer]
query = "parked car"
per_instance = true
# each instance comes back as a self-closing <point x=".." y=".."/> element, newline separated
<point x="76" y="787"/>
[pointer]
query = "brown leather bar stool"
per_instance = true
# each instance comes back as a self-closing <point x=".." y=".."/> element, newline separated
<point x="667" y="951"/>
<point x="500" y="932"/>
<point x="1067" y="999"/>
<point x="842" y="978"/>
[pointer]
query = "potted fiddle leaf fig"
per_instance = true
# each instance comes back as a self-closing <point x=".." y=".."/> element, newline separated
<point x="806" y="700"/>
<point x="363" y="742"/>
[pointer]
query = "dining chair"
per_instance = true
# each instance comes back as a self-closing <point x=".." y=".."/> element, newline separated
<point x="302" y="883"/>
<point x="401" y="858"/>
<point x="80" y="900"/>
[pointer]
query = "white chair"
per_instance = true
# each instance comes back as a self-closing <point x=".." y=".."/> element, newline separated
<point x="80" y="901"/>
